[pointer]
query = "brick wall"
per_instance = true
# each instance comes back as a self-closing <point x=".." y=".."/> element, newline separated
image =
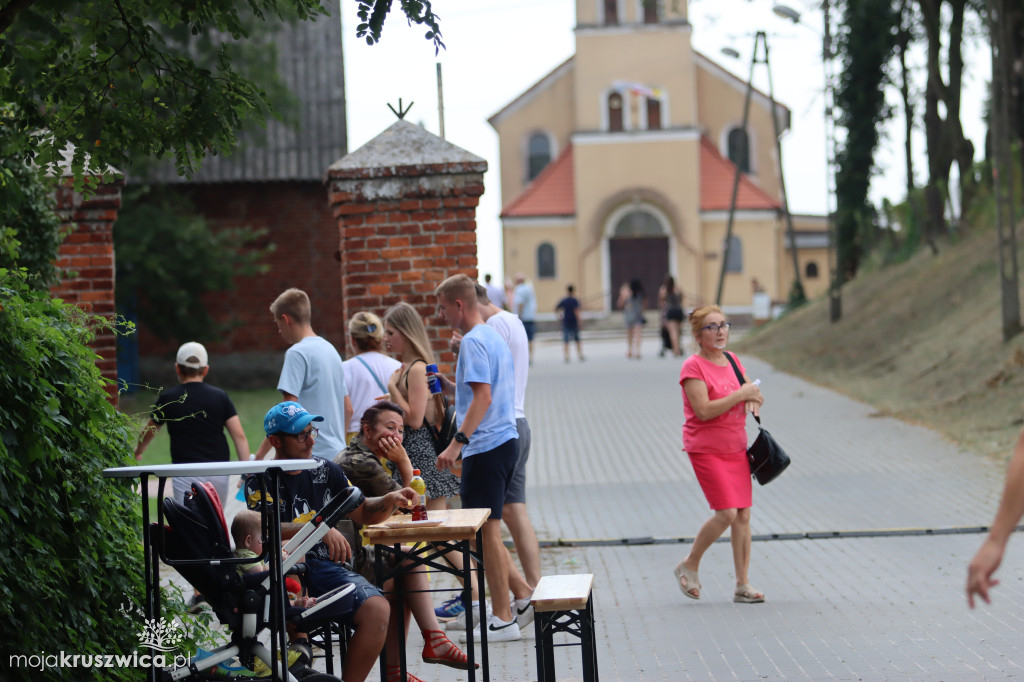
<point x="85" y="261"/>
<point x="404" y="230"/>
<point x="301" y="226"/>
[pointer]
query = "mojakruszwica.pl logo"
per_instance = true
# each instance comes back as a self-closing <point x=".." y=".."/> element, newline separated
<point x="160" y="636"/>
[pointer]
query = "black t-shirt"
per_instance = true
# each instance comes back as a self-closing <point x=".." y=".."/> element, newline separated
<point x="195" y="414"/>
<point x="568" y="305"/>
<point x="303" y="495"/>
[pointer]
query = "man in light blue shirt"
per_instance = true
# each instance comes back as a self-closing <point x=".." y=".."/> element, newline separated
<point x="526" y="307"/>
<point x="487" y="439"/>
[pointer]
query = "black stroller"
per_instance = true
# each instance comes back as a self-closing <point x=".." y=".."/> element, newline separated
<point x="195" y="541"/>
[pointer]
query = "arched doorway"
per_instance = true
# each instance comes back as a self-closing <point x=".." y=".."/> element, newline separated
<point x="638" y="248"/>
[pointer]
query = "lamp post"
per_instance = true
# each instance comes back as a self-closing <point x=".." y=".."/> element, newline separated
<point x="835" y="284"/>
<point x="796" y="294"/>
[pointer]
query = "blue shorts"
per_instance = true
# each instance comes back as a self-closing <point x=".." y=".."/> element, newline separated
<point x="324" y="576"/>
<point x="570" y="334"/>
<point x="531" y="328"/>
<point x="486" y="477"/>
<point x="517" y="486"/>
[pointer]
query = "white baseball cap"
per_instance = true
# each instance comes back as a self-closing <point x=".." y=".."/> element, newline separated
<point x="192" y="354"/>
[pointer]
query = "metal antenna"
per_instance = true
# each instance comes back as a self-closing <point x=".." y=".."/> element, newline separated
<point x="401" y="112"/>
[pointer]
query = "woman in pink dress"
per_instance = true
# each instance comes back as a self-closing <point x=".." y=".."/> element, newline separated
<point x="715" y="406"/>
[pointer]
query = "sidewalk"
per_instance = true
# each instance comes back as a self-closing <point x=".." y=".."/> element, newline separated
<point x="609" y="486"/>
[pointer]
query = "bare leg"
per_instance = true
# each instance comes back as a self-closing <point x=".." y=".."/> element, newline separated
<point x="706" y="536"/>
<point x="740" y="537"/>
<point x="516" y="517"/>
<point x="496" y="569"/>
<point x="673" y="335"/>
<point x="371" y="625"/>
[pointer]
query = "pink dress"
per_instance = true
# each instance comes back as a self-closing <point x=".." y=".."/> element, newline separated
<point x="717" y="447"/>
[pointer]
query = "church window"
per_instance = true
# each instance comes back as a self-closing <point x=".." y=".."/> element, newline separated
<point x="811" y="270"/>
<point x="638" y="224"/>
<point x="653" y="113"/>
<point x="739" y="149"/>
<point x="615" y="112"/>
<point x="546" y="261"/>
<point x="650" y="11"/>
<point x="539" y="154"/>
<point x="734" y="261"/>
<point x="611" y="12"/>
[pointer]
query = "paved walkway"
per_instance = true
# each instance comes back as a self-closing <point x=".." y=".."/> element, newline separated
<point x="607" y="477"/>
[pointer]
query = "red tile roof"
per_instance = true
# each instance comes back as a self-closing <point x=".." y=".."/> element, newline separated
<point x="717" y="175"/>
<point x="552" y="193"/>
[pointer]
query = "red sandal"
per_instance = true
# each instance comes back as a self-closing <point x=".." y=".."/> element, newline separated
<point x="437" y="648"/>
<point x="395" y="672"/>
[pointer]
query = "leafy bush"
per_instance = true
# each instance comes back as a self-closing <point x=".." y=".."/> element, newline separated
<point x="69" y="537"/>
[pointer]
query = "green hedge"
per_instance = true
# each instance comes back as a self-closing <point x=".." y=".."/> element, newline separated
<point x="72" y="557"/>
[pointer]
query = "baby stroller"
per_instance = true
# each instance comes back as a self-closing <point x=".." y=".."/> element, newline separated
<point x="195" y="541"/>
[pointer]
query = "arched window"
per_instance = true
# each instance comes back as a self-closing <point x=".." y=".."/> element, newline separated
<point x="734" y="263"/>
<point x="615" y="112"/>
<point x="739" y="149"/>
<point x="638" y="223"/>
<point x="653" y="113"/>
<point x="650" y="11"/>
<point x="811" y="270"/>
<point x="546" y="261"/>
<point x="538" y="154"/>
<point x="611" y="12"/>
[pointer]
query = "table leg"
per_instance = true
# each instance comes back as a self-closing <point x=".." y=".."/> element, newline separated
<point x="400" y="595"/>
<point x="378" y="571"/>
<point x="480" y="582"/>
<point x="589" y="646"/>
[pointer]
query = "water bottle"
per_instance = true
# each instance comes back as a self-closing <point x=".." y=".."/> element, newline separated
<point x="419" y="510"/>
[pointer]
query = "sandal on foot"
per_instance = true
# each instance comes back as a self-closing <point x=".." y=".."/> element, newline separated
<point x="395" y="674"/>
<point x="437" y="648"/>
<point x="745" y="594"/>
<point x="692" y="581"/>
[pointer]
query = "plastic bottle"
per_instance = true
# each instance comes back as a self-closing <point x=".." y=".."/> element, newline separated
<point x="419" y="511"/>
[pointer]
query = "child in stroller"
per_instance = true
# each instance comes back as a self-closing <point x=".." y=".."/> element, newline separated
<point x="195" y="541"/>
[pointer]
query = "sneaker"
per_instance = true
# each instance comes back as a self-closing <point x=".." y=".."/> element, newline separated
<point x="447" y="611"/>
<point x="459" y="623"/>
<point x="497" y="631"/>
<point x="523" y="611"/>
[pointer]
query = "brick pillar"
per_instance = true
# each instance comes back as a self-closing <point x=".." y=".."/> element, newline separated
<point x="85" y="261"/>
<point x="406" y="209"/>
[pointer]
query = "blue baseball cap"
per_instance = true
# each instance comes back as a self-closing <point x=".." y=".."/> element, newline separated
<point x="288" y="417"/>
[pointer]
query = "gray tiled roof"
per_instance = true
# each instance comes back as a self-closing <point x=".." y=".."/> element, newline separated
<point x="310" y="62"/>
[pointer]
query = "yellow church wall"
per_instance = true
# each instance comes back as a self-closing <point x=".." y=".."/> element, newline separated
<point x="759" y="236"/>
<point x="550" y="111"/>
<point x="523" y="236"/>
<point x="656" y="57"/>
<point x="720" y="109"/>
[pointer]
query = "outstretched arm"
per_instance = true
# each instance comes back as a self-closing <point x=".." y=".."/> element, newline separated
<point x="1011" y="508"/>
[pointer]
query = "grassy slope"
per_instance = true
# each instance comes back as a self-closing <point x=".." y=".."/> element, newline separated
<point x="921" y="341"/>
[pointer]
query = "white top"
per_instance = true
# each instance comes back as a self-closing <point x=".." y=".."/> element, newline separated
<point x="510" y="328"/>
<point x="201" y="469"/>
<point x="525" y="302"/>
<point x="362" y="384"/>
<point x="313" y="373"/>
<point x="495" y="294"/>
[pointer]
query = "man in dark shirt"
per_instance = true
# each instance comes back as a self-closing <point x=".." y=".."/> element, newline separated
<point x="566" y="310"/>
<point x="196" y="415"/>
<point x="289" y="428"/>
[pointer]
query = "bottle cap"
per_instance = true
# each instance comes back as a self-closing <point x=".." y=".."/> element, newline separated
<point x="415" y="472"/>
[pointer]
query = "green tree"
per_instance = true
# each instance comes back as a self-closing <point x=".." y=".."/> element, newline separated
<point x="866" y="42"/>
<point x="168" y="257"/>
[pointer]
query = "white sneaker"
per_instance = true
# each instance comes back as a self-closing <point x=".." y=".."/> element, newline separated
<point x="497" y="631"/>
<point x="523" y="611"/>
<point x="460" y="620"/>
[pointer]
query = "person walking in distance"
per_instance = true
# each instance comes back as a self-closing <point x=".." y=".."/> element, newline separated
<point x="567" y="310"/>
<point x="715" y="406"/>
<point x="525" y="306"/>
<point x="631" y="301"/>
<point x="312" y="373"/>
<point x="487" y="441"/>
<point x="495" y="293"/>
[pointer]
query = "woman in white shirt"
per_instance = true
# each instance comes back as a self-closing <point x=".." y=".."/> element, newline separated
<point x="367" y="372"/>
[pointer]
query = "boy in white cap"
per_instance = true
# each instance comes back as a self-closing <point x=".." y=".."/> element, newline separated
<point x="196" y="415"/>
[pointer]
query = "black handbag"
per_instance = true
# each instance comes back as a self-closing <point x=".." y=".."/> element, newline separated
<point x="767" y="458"/>
<point x="445" y="431"/>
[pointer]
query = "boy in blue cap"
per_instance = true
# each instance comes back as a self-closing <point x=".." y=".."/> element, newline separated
<point x="289" y="428"/>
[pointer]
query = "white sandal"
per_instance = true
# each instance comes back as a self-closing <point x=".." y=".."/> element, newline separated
<point x="745" y="594"/>
<point x="692" y="581"/>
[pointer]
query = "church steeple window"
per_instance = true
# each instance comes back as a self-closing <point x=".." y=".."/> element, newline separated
<point x="615" y="113"/>
<point x="611" y="12"/>
<point x="650" y="8"/>
<point x="739" y="149"/>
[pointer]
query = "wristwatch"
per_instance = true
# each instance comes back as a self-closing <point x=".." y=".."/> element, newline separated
<point x="461" y="438"/>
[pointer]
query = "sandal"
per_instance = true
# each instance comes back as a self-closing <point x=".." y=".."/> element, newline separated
<point x="437" y="648"/>
<point x="692" y="581"/>
<point x="395" y="673"/>
<point x="745" y="594"/>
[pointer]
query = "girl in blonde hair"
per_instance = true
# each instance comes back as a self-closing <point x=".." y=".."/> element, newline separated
<point x="368" y="370"/>
<point x="405" y="337"/>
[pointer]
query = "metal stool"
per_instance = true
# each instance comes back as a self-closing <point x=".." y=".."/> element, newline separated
<point x="564" y="603"/>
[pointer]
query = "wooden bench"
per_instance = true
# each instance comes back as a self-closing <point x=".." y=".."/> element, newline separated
<point x="564" y="603"/>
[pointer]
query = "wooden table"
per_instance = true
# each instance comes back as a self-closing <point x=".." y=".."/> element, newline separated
<point x="415" y="546"/>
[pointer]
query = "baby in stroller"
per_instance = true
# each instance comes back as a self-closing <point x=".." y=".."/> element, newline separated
<point x="195" y="541"/>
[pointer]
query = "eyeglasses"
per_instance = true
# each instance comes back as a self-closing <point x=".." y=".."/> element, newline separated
<point x="713" y="328"/>
<point x="305" y="435"/>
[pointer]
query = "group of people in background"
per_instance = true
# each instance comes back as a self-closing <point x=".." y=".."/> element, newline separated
<point x="368" y="421"/>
